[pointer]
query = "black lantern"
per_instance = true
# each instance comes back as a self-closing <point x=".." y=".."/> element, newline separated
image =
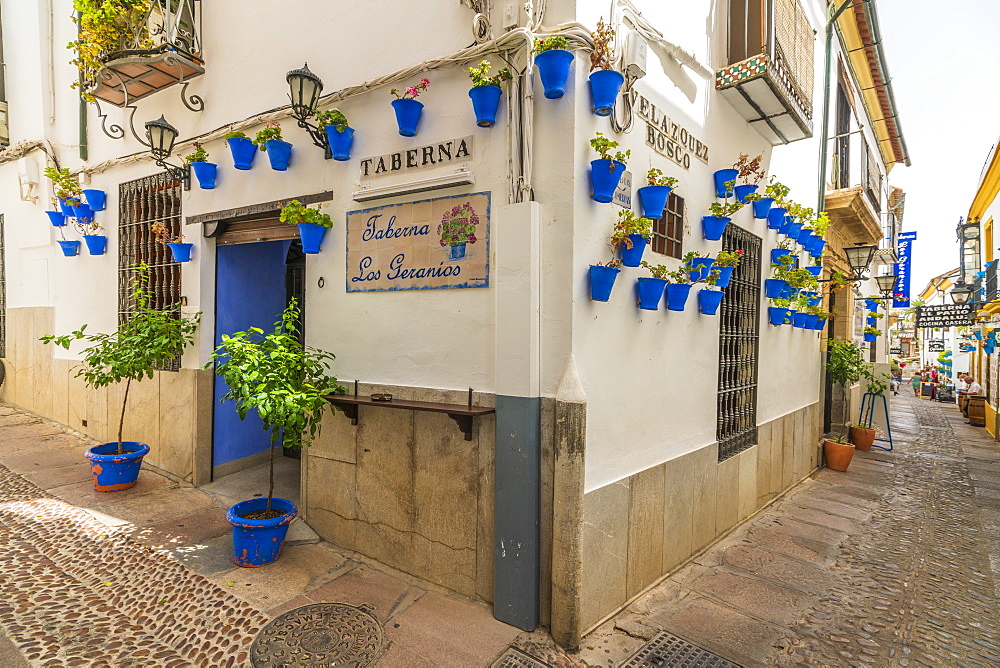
<point x="961" y="293"/>
<point x="304" y="89"/>
<point x="860" y="257"/>
<point x="886" y="284"/>
<point x="161" y="136"/>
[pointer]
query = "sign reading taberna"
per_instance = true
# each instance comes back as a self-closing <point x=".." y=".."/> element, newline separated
<point x="425" y="245"/>
<point x="946" y="315"/>
<point x="901" y="290"/>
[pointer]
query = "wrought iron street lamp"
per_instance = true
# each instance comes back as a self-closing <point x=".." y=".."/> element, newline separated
<point x="304" y="91"/>
<point x="886" y="285"/>
<point x="161" y="136"/>
<point x="961" y="293"/>
<point x="859" y="257"/>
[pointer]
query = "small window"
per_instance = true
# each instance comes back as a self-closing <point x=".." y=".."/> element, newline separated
<point x="668" y="231"/>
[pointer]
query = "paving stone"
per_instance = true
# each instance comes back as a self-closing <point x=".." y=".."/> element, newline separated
<point x="364" y="585"/>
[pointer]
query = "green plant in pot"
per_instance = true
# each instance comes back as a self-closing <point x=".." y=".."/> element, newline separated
<point x="312" y="224"/>
<point x="147" y="340"/>
<point x="285" y="383"/>
<point x="630" y="236"/>
<point x="339" y="133"/>
<point x="845" y="366"/>
<point x="65" y="187"/>
<point x="606" y="172"/>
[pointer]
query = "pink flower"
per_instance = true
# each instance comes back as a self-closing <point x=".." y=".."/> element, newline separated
<point x="472" y="238"/>
<point x="443" y="243"/>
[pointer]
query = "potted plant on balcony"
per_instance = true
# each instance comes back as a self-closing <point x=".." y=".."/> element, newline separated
<point x="715" y="224"/>
<point x="606" y="172"/>
<point x="605" y="82"/>
<point x="268" y="140"/>
<point x="105" y="27"/>
<point x="180" y="250"/>
<point x="242" y="149"/>
<point x="408" y="109"/>
<point x="726" y="262"/>
<point x="650" y="288"/>
<point x="630" y="236"/>
<point x="749" y="174"/>
<point x="145" y="341"/>
<point x="205" y="171"/>
<point x="339" y="133"/>
<point x="654" y="195"/>
<point x="65" y="187"/>
<point x="553" y="61"/>
<point x="486" y="92"/>
<point x="312" y="224"/>
<point x="285" y="383"/>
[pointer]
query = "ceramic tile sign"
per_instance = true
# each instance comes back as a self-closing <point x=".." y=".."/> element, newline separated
<point x="623" y="195"/>
<point x="425" y="245"/>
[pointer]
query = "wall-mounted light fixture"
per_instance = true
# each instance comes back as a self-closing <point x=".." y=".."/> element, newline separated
<point x="304" y="91"/>
<point x="161" y="136"/>
<point x="961" y="293"/>
<point x="886" y="284"/>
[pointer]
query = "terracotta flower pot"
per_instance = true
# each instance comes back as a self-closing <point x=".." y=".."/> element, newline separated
<point x="862" y="438"/>
<point x="838" y="455"/>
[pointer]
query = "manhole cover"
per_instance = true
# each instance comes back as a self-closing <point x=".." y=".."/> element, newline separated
<point x="666" y="650"/>
<point x="515" y="658"/>
<point x="324" y="634"/>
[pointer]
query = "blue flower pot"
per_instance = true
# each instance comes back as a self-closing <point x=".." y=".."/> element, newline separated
<point x="206" y="173"/>
<point x="814" y="298"/>
<point x="67" y="205"/>
<point x="82" y="211"/>
<point x="340" y="141"/>
<point x="279" y="154"/>
<point x="258" y="542"/>
<point x="700" y="268"/>
<point x="677" y="295"/>
<point x="553" y="69"/>
<point x="650" y="292"/>
<point x="804" y="237"/>
<point x="721" y="177"/>
<point x="871" y="304"/>
<point x="713" y="227"/>
<point x="654" y="201"/>
<point x="811" y="321"/>
<point x="871" y="321"/>
<point x="70" y="248"/>
<point x="311" y="235"/>
<point x="776" y="217"/>
<point x="815" y="269"/>
<point x="799" y="319"/>
<point x="408" y="114"/>
<point x="820" y="323"/>
<point x="243" y="151"/>
<point x="786" y="225"/>
<point x="602" y="279"/>
<point x="725" y="275"/>
<point x="777" y="315"/>
<point x="486" y="102"/>
<point x="743" y="190"/>
<point x="456" y="251"/>
<point x="115" y="472"/>
<point x="775" y="287"/>
<point x="57" y="218"/>
<point x="180" y="251"/>
<point x="817" y="247"/>
<point x="96" y="243"/>
<point x="762" y="207"/>
<point x="709" y="300"/>
<point x="794" y="230"/>
<point x="604" y="87"/>
<point x="604" y="178"/>
<point x="870" y="338"/>
<point x="778" y="253"/>
<point x="97" y="200"/>
<point x="632" y="257"/>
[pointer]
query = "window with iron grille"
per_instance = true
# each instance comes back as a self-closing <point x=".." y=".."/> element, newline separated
<point x="668" y="231"/>
<point x="3" y="292"/>
<point x="739" y="322"/>
<point x="140" y="204"/>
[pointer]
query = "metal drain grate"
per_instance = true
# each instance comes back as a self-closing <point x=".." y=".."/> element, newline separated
<point x="666" y="651"/>
<point x="515" y="658"/>
<point x="324" y="634"/>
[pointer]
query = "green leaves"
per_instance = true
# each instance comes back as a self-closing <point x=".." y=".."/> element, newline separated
<point x="295" y="212"/>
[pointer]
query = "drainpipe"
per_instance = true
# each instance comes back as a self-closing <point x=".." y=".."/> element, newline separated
<point x="825" y="134"/>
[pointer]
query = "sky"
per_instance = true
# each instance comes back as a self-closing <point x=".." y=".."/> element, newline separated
<point x="945" y="68"/>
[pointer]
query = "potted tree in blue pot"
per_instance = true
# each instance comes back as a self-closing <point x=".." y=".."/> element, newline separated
<point x="486" y="92"/>
<point x="339" y="133"/>
<point x="279" y="151"/>
<point x="285" y="383"/>
<point x="553" y="61"/>
<point x="605" y="81"/>
<point x="606" y="172"/>
<point x="654" y="195"/>
<point x="145" y="341"/>
<point x="630" y="236"/>
<point x="312" y="224"/>
<point x="205" y="171"/>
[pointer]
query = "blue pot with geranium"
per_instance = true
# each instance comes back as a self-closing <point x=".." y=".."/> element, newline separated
<point x="486" y="92"/>
<point x="204" y="171"/>
<point x="553" y="59"/>
<point x="339" y="133"/>
<point x="606" y="172"/>
<point x="715" y="224"/>
<point x="242" y="149"/>
<point x="408" y="110"/>
<point x="653" y="197"/>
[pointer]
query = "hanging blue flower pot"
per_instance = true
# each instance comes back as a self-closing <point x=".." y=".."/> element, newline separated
<point x="408" y="114"/>
<point x="279" y="154"/>
<point x="811" y="321"/>
<point x="721" y="177"/>
<point x="870" y="338"/>
<point x="820" y="323"/>
<point x="96" y="199"/>
<point x="180" y="251"/>
<point x="206" y="173"/>
<point x="815" y="269"/>
<point x="762" y="207"/>
<point x="456" y="251"/>
<point x="713" y="227"/>
<point x="677" y="295"/>
<point x="700" y="268"/>
<point x="775" y="287"/>
<point x="654" y="201"/>
<point x="978" y="336"/>
<point x="650" y="292"/>
<point x="709" y="300"/>
<point x="814" y="298"/>
<point x="57" y="218"/>
<point x="817" y="247"/>
<point x="258" y="542"/>
<point x="777" y="315"/>
<point x="794" y="230"/>
<point x="553" y="69"/>
<point x="82" y="211"/>
<point x="632" y="257"/>
<point x="804" y="237"/>
<point x="486" y="102"/>
<point x="340" y="138"/>
<point x="725" y="275"/>
<point x="67" y="205"/>
<point x="799" y="319"/>
<point x="311" y="235"/>
<point x="871" y="321"/>
<point x="777" y="253"/>
<point x="743" y="190"/>
<point x="786" y="225"/>
<point x="604" y="87"/>
<point x="96" y="243"/>
<point x="604" y="178"/>
<point x="871" y="304"/>
<point x="114" y="472"/>
<point x="70" y="248"/>
<point x="602" y="279"/>
<point x="776" y="217"/>
<point x="243" y="151"/>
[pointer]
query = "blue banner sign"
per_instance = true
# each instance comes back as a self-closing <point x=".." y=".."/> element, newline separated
<point x="901" y="293"/>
